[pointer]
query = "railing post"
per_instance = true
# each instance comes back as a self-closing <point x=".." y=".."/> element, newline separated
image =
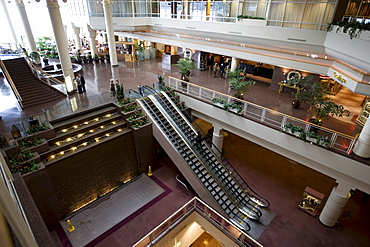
<point x="213" y="95"/>
<point x="187" y="88"/>
<point x="200" y="93"/>
<point x="333" y="139"/>
<point x="263" y="115"/>
<point x="307" y="127"/>
<point x="350" y="147"/>
<point x="48" y="81"/>
<point x="283" y="122"/>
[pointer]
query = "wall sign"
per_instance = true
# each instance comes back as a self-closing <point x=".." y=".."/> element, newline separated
<point x="340" y="77"/>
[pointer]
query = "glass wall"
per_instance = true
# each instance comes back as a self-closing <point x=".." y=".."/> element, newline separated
<point x="358" y="10"/>
<point x="305" y="14"/>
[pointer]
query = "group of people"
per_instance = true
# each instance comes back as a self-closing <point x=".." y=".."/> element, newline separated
<point x="80" y="80"/>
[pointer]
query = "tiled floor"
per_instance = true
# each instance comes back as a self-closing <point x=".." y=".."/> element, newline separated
<point x="278" y="179"/>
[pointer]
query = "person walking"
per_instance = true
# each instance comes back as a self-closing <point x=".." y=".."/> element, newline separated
<point x="79" y="84"/>
<point x="82" y="78"/>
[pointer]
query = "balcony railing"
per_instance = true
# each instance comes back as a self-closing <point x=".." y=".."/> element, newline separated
<point x="339" y="142"/>
<point x="196" y="205"/>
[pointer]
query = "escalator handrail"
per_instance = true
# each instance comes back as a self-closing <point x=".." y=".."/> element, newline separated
<point x="234" y="174"/>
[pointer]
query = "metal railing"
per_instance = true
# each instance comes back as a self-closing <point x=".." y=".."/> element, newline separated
<point x="339" y="142"/>
<point x="216" y="219"/>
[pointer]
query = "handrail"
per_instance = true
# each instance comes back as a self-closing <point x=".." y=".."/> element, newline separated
<point x="339" y="141"/>
<point x="182" y="183"/>
<point x="255" y="198"/>
<point x="15" y="90"/>
<point x="45" y="77"/>
<point x="167" y="225"/>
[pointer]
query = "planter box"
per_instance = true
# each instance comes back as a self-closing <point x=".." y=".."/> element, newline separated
<point x="311" y="139"/>
<point x="141" y="127"/>
<point x="42" y="166"/>
<point x="46" y="134"/>
<point x="219" y="105"/>
<point x="253" y="22"/>
<point x="41" y="148"/>
<point x="235" y="111"/>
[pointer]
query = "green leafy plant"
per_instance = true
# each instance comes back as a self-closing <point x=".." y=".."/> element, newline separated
<point x="353" y="29"/>
<point x="135" y="115"/>
<point x="25" y="167"/>
<point x="161" y="80"/>
<point x="140" y="122"/>
<point x="237" y="83"/>
<point x="21" y="157"/>
<point x="32" y="129"/>
<point x="129" y="108"/>
<point x="35" y="57"/>
<point x="315" y="95"/>
<point x="237" y="107"/>
<point x="29" y="142"/>
<point x="139" y="47"/>
<point x="217" y="100"/>
<point x="185" y="66"/>
<point x="125" y="101"/>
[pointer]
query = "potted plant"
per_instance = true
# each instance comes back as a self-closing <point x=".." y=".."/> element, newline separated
<point x="34" y="144"/>
<point x="161" y="80"/>
<point x="316" y="96"/>
<point x="218" y="102"/>
<point x="139" y="51"/>
<point x="237" y="108"/>
<point x="96" y="58"/>
<point x="102" y="58"/>
<point x="237" y="83"/>
<point x="185" y="66"/>
<point x="35" y="57"/>
<point x="107" y="57"/>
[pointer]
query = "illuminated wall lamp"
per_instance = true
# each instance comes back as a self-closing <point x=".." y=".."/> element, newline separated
<point x="75" y="126"/>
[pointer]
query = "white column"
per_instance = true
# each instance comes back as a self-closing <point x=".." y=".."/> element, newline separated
<point x="333" y="208"/>
<point x="362" y="147"/>
<point x="26" y="25"/>
<point x="234" y="63"/>
<point x="110" y="32"/>
<point x="217" y="140"/>
<point x="9" y="21"/>
<point x="92" y="36"/>
<point x="76" y="31"/>
<point x="62" y="44"/>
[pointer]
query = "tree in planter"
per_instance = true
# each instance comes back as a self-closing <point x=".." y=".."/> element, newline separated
<point x="317" y="99"/>
<point x="238" y="84"/>
<point x="185" y="66"/>
<point x="161" y="80"/>
<point x="35" y="57"/>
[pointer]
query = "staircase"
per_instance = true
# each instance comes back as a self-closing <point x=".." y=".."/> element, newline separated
<point x="32" y="91"/>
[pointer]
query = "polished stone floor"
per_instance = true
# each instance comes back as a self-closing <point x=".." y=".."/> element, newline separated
<point x="280" y="180"/>
<point x="133" y="74"/>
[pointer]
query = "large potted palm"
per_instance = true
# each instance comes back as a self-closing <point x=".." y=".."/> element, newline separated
<point x="237" y="83"/>
<point x="185" y="66"/>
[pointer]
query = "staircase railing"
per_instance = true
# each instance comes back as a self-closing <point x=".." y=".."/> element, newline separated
<point x="11" y="83"/>
<point x="47" y="78"/>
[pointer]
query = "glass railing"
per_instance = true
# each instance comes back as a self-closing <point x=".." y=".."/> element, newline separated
<point x="339" y="142"/>
<point x="196" y="205"/>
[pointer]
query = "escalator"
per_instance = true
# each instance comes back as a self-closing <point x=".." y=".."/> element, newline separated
<point x="246" y="203"/>
<point x="204" y="176"/>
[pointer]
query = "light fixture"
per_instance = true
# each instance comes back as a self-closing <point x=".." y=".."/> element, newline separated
<point x="102" y="126"/>
<point x="114" y="122"/>
<point x="107" y="134"/>
<point x="69" y="139"/>
<point x="79" y="135"/>
<point x="64" y="130"/>
<point x="85" y="143"/>
<point x="119" y="130"/>
<point x="91" y="131"/>
<point x="96" y="119"/>
<point x="97" y="139"/>
<point x="108" y="115"/>
<point x="86" y="122"/>
<point x="57" y="143"/>
<point x="52" y="157"/>
<point x="74" y="148"/>
<point x="61" y="152"/>
<point x="75" y="126"/>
